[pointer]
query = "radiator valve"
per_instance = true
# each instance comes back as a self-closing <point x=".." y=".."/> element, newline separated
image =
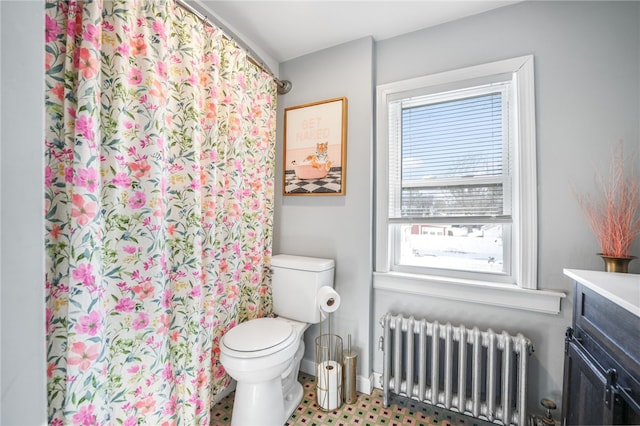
<point x="547" y="419"/>
<point x="549" y="405"/>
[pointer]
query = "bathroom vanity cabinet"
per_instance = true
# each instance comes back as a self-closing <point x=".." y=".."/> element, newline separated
<point x="602" y="350"/>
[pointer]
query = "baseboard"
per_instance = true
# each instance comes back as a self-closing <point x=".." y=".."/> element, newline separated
<point x="308" y="367"/>
<point x="376" y="380"/>
<point x="364" y="384"/>
<point x="226" y="391"/>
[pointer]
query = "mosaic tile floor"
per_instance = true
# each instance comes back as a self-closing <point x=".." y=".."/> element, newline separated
<point x="366" y="411"/>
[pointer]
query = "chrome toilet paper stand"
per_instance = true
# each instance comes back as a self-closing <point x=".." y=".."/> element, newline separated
<point x="328" y="367"/>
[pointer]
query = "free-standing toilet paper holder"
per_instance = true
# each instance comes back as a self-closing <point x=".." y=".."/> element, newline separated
<point x="329" y="360"/>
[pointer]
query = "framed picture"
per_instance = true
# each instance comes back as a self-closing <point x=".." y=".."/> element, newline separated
<point x="315" y="148"/>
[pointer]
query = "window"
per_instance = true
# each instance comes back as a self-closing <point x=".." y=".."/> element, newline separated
<point x="456" y="179"/>
<point x="450" y="177"/>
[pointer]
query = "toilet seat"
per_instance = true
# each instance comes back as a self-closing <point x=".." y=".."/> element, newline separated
<point x="258" y="338"/>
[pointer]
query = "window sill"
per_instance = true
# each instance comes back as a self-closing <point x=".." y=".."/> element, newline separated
<point x="486" y="293"/>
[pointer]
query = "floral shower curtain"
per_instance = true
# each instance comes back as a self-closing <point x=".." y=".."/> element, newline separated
<point x="159" y="205"/>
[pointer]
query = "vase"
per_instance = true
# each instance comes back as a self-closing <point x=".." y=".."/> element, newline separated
<point x="616" y="264"/>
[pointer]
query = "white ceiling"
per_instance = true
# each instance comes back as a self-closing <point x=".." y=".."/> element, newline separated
<point x="284" y="30"/>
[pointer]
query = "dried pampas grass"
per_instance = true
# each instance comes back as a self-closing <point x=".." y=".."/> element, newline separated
<point x="614" y="215"/>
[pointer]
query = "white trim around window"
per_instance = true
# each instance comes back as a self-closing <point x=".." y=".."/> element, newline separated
<point x="523" y="292"/>
<point x="508" y="296"/>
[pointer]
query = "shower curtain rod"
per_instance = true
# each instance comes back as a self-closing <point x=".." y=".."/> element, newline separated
<point x="284" y="86"/>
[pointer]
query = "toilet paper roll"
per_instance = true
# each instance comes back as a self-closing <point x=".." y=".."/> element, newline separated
<point x="329" y="388"/>
<point x="328" y="299"/>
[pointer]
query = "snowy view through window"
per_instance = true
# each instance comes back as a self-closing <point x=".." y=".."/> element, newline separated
<point x="463" y="247"/>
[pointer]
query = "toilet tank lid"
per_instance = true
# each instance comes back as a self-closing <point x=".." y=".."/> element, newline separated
<point x="302" y="263"/>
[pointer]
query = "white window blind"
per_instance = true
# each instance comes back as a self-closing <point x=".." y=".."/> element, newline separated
<point x="450" y="156"/>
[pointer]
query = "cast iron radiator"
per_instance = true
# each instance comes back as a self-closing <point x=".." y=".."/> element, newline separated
<point x="477" y="373"/>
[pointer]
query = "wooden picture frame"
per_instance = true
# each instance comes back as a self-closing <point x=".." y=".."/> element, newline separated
<point x="315" y="148"/>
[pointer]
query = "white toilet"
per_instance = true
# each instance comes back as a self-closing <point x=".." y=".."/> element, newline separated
<point x="263" y="355"/>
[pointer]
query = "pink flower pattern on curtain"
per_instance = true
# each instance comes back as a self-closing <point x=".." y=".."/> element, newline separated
<point x="160" y="152"/>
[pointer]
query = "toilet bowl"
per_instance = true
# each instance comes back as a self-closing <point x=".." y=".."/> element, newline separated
<point x="263" y="355"/>
<point x="257" y="354"/>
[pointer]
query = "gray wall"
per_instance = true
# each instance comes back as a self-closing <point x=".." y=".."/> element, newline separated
<point x="587" y="88"/>
<point x="337" y="227"/>
<point x="587" y="69"/>
<point x="23" y="363"/>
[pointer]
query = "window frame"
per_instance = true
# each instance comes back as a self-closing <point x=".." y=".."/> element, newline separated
<point x="523" y="291"/>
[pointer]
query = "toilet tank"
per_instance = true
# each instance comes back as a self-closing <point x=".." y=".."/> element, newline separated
<point x="295" y="280"/>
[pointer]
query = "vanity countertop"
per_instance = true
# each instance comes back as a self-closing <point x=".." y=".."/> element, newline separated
<point x="622" y="289"/>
